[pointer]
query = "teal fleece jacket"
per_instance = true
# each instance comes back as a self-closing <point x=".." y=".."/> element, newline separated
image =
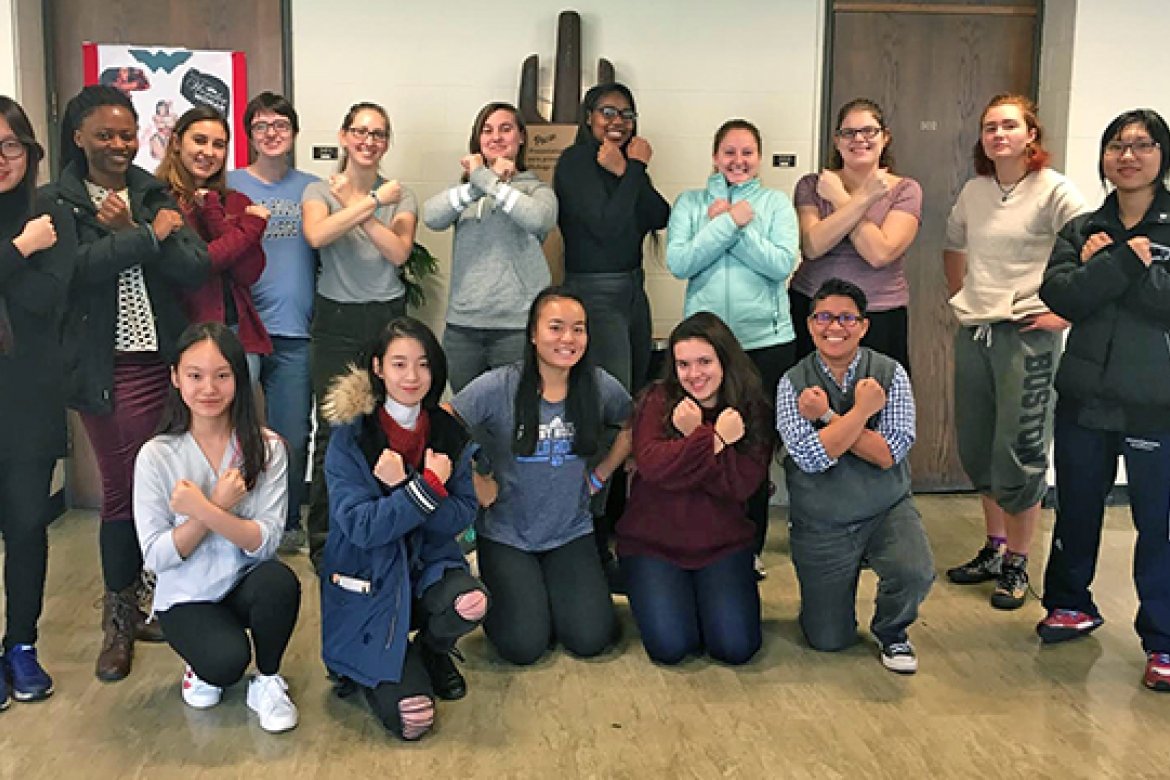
<point x="740" y="274"/>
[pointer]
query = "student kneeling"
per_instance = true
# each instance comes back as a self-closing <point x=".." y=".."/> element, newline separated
<point x="846" y="416"/>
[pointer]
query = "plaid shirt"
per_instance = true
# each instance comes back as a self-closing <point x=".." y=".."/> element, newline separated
<point x="895" y="422"/>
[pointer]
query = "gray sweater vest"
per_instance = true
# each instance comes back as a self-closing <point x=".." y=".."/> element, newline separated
<point x="854" y="489"/>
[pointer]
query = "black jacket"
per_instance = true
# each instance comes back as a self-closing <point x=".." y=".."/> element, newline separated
<point x="604" y="218"/>
<point x="91" y="318"/>
<point x="1115" y="371"/>
<point x="32" y="397"/>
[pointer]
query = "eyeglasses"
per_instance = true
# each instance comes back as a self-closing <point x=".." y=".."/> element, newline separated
<point x="366" y="134"/>
<point x="867" y="133"/>
<point x="12" y="149"/>
<point x="1140" y="148"/>
<point x="845" y="319"/>
<point x="279" y="126"/>
<point x="611" y="113"/>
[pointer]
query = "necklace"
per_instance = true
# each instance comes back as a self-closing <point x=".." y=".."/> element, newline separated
<point x="1006" y="192"/>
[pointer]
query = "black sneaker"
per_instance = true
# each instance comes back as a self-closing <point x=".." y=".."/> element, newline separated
<point x="1012" y="588"/>
<point x="984" y="567"/>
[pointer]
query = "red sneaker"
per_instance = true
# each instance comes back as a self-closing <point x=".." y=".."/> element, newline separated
<point x="1158" y="672"/>
<point x="1063" y="624"/>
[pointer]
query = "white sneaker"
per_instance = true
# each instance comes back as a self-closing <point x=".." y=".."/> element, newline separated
<point x="899" y="657"/>
<point x="268" y="698"/>
<point x="199" y="694"/>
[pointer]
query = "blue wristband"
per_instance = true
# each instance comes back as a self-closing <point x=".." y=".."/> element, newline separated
<point x="595" y="481"/>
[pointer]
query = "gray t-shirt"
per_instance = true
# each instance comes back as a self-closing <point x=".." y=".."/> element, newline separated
<point x="544" y="499"/>
<point x="352" y="268"/>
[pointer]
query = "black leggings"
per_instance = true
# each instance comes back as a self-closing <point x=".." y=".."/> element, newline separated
<point x="439" y="626"/>
<point x="211" y="636"/>
<point x="557" y="594"/>
<point x="24" y="517"/>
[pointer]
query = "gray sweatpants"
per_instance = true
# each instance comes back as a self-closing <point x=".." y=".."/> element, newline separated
<point x="1004" y="399"/>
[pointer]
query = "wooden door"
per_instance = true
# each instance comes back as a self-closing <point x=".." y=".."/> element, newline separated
<point x="932" y="67"/>
<point x="255" y="27"/>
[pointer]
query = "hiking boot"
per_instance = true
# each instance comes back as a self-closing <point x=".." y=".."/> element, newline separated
<point x="119" y="623"/>
<point x="984" y="567"/>
<point x="1012" y="587"/>
<point x="146" y="625"/>
<point x="1062" y="625"/>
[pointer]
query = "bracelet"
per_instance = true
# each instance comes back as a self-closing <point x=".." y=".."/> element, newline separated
<point x="595" y="480"/>
<point x="827" y="417"/>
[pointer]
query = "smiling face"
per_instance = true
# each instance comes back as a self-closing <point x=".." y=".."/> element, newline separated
<point x="614" y="128"/>
<point x="560" y="336"/>
<point x="405" y="370"/>
<point x="699" y="371"/>
<point x="203" y="149"/>
<point x="109" y="138"/>
<point x="366" y="139"/>
<point x="1132" y="160"/>
<point x="272" y="134"/>
<point x="11" y="171"/>
<point x="500" y="136"/>
<point x="837" y="343"/>
<point x="1005" y="134"/>
<point x="738" y="156"/>
<point x="205" y="381"/>
<point x="860" y="140"/>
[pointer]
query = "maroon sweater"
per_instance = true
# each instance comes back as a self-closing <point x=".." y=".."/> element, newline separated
<point x="687" y="504"/>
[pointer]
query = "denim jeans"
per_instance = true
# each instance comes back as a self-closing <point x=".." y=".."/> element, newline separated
<point x="681" y="612"/>
<point x="1086" y="465"/>
<point x="288" y="400"/>
<point x="472" y="351"/>
<point x="828" y="560"/>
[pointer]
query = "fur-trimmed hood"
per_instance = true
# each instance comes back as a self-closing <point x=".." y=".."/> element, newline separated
<point x="350" y="396"/>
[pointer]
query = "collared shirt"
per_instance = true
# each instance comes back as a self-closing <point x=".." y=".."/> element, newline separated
<point x="895" y="421"/>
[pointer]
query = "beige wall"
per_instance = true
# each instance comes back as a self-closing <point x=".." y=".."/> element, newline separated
<point x="691" y="65"/>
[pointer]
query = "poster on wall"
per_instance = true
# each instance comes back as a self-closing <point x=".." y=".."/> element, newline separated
<point x="164" y="82"/>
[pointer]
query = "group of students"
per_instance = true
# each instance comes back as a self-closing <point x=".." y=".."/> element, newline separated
<point x="796" y="323"/>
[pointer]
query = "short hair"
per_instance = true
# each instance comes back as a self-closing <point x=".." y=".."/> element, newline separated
<point x="1153" y="123"/>
<point x="836" y="286"/>
<point x="81" y="105"/>
<point x="1038" y="156"/>
<point x="272" y="103"/>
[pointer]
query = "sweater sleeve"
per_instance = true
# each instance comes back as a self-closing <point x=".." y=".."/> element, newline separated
<point x="235" y="236"/>
<point x="153" y="518"/>
<point x="671" y="463"/>
<point x="441" y="211"/>
<point x="694" y="242"/>
<point x="534" y="212"/>
<point x="768" y="244"/>
<point x="737" y="473"/>
<point x="270" y="499"/>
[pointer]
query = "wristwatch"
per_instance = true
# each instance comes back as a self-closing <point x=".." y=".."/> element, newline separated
<point x="827" y="417"/>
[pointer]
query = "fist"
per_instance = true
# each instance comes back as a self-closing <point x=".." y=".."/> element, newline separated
<point x="687" y="416"/>
<point x="813" y="403"/>
<point x="504" y="168"/>
<point x="187" y="498"/>
<point x="717" y="207"/>
<point x="257" y="210"/>
<point x="875" y="186"/>
<point x="831" y="188"/>
<point x="869" y="396"/>
<point x="200" y="196"/>
<point x="37" y="234"/>
<point x="166" y="221"/>
<point x="390" y="469"/>
<point x="1094" y="244"/>
<point x="639" y="149"/>
<point x="438" y="464"/>
<point x="114" y="213"/>
<point x="469" y="162"/>
<point x="1141" y="247"/>
<point x="228" y="490"/>
<point x="339" y="187"/>
<point x="729" y="425"/>
<point x="742" y="213"/>
<point x="610" y="157"/>
<point x="389" y="192"/>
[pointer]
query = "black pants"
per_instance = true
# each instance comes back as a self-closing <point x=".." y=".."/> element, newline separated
<point x="212" y="636"/>
<point x="558" y="594"/>
<point x="439" y="626"/>
<point x="341" y="334"/>
<point x="889" y="331"/>
<point x="772" y="363"/>
<point x="24" y="518"/>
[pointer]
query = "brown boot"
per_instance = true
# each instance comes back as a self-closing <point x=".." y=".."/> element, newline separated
<point x="146" y="625"/>
<point x="119" y="610"/>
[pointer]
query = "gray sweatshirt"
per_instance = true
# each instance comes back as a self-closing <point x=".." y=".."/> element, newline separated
<point x="497" y="265"/>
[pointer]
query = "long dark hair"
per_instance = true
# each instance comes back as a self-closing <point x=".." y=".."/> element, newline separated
<point x="409" y="328"/>
<point x="176" y="417"/>
<point x="84" y="103"/>
<point x="171" y="170"/>
<point x="33" y="152"/>
<point x="590" y="101"/>
<point x="886" y="159"/>
<point x="583" y="403"/>
<point x="1153" y="123"/>
<point x="741" y="388"/>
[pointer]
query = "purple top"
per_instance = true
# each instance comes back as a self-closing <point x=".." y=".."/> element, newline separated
<point x="886" y="288"/>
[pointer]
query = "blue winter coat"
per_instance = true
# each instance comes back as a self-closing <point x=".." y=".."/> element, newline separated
<point x="395" y="541"/>
<point x="738" y="273"/>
